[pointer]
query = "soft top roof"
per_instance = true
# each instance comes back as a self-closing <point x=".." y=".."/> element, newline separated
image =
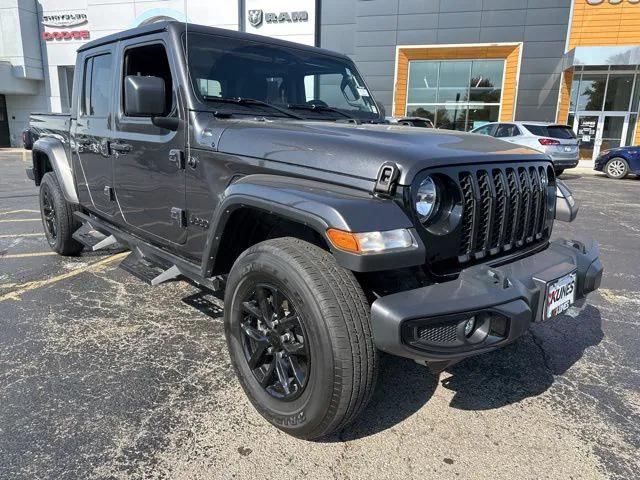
<point x="179" y="27"/>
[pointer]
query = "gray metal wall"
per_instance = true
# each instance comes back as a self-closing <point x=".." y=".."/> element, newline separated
<point x="369" y="30"/>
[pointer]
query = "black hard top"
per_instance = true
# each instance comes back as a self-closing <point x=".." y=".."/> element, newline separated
<point x="176" y="27"/>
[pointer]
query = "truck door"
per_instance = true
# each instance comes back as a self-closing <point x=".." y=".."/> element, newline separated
<point x="92" y="128"/>
<point x="149" y="160"/>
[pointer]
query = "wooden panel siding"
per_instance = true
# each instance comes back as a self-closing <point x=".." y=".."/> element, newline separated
<point x="509" y="53"/>
<point x="605" y="24"/>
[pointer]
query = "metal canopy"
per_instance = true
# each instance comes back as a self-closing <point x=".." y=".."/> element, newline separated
<point x="602" y="56"/>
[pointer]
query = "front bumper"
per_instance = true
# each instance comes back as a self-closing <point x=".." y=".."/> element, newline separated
<point x="505" y="298"/>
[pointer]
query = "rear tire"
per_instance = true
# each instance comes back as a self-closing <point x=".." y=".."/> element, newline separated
<point x="616" y="168"/>
<point x="57" y="217"/>
<point x="297" y="283"/>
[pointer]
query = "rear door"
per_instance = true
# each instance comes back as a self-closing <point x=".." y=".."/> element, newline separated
<point x="149" y="160"/>
<point x="93" y="128"/>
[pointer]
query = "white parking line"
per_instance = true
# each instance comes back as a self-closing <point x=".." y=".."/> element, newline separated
<point x="11" y="212"/>
<point x="26" y="255"/>
<point x="21" y="220"/>
<point x="18" y="235"/>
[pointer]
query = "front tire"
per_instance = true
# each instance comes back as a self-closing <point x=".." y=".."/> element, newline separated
<point x="616" y="168"/>
<point x="57" y="217"/>
<point x="559" y="171"/>
<point x="299" y="336"/>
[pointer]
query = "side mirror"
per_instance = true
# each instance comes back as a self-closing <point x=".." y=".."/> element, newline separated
<point x="566" y="206"/>
<point x="143" y="96"/>
<point x="381" y="110"/>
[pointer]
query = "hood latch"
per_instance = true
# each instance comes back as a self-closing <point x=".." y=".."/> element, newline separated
<point x="387" y="178"/>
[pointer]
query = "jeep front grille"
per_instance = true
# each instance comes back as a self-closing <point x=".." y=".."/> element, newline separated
<point x="501" y="208"/>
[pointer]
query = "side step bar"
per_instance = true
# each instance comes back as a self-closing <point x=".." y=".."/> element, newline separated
<point x="93" y="239"/>
<point x="146" y="262"/>
<point x="148" y="272"/>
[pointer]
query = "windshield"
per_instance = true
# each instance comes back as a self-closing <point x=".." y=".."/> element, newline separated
<point x="308" y="84"/>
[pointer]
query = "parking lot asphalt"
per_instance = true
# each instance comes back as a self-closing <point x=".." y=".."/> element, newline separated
<point x="103" y="376"/>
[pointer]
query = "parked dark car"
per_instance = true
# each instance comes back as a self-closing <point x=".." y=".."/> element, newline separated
<point x="265" y="170"/>
<point x="619" y="162"/>
<point x="27" y="139"/>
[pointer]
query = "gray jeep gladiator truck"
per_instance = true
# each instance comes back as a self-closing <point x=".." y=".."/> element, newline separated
<point x="265" y="170"/>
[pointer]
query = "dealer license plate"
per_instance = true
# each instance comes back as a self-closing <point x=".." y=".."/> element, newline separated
<point x="561" y="294"/>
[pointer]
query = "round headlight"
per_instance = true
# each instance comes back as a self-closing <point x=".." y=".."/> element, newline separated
<point x="426" y="199"/>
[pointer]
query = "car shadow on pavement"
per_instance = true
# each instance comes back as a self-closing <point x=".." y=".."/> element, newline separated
<point x="523" y="369"/>
<point x="403" y="388"/>
<point x="527" y="367"/>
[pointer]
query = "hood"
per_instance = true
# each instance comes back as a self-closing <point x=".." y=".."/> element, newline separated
<point x="360" y="150"/>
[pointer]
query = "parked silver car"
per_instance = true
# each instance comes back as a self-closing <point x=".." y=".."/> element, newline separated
<point x="557" y="141"/>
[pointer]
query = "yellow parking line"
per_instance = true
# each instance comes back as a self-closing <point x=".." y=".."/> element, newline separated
<point x="21" y="220"/>
<point x="93" y="267"/>
<point x="25" y="255"/>
<point x="12" y="235"/>
<point x="10" y="212"/>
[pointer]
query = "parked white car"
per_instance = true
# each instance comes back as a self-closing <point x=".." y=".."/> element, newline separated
<point x="556" y="140"/>
<point x="411" y="121"/>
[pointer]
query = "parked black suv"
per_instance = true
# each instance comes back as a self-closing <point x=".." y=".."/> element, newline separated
<point x="265" y="169"/>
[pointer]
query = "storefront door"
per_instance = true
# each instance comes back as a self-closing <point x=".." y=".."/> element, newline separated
<point x="598" y="131"/>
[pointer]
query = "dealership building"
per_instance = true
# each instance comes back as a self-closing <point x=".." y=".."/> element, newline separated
<point x="460" y="63"/>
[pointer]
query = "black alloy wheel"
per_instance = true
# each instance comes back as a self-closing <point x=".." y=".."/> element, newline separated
<point x="274" y="342"/>
<point x="49" y="217"/>
<point x="57" y="217"/>
<point x="299" y="335"/>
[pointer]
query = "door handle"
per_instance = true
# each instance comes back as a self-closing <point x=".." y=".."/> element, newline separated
<point x="176" y="156"/>
<point x="120" y="148"/>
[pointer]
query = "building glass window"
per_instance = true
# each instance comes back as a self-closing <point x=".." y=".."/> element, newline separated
<point x="618" y="92"/>
<point x="455" y="94"/>
<point x="591" y="92"/>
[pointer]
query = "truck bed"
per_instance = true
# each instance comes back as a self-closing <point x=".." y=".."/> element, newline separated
<point x="50" y="125"/>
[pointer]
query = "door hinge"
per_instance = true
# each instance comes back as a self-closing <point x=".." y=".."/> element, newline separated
<point x="108" y="192"/>
<point x="179" y="217"/>
<point x="177" y="156"/>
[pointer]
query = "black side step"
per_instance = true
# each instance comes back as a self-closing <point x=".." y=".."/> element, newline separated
<point x="145" y="270"/>
<point x="93" y="239"/>
<point x="206" y="302"/>
<point x="152" y="264"/>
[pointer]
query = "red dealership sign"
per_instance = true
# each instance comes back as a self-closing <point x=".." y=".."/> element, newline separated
<point x="66" y="35"/>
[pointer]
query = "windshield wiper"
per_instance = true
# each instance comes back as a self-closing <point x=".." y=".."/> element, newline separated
<point x="251" y="101"/>
<point x="318" y="108"/>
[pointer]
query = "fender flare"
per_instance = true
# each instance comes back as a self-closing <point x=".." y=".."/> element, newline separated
<point x="319" y="206"/>
<point x="60" y="163"/>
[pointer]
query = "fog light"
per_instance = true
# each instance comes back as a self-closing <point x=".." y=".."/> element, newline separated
<point x="469" y="326"/>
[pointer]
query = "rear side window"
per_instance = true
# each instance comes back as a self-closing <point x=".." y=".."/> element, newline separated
<point x="506" y="130"/>
<point x="97" y="86"/>
<point x="552" y="131"/>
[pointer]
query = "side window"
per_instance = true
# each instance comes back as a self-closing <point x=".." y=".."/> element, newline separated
<point x="152" y="61"/>
<point x="506" y="130"/>
<point x="486" y="130"/>
<point x="97" y="86"/>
